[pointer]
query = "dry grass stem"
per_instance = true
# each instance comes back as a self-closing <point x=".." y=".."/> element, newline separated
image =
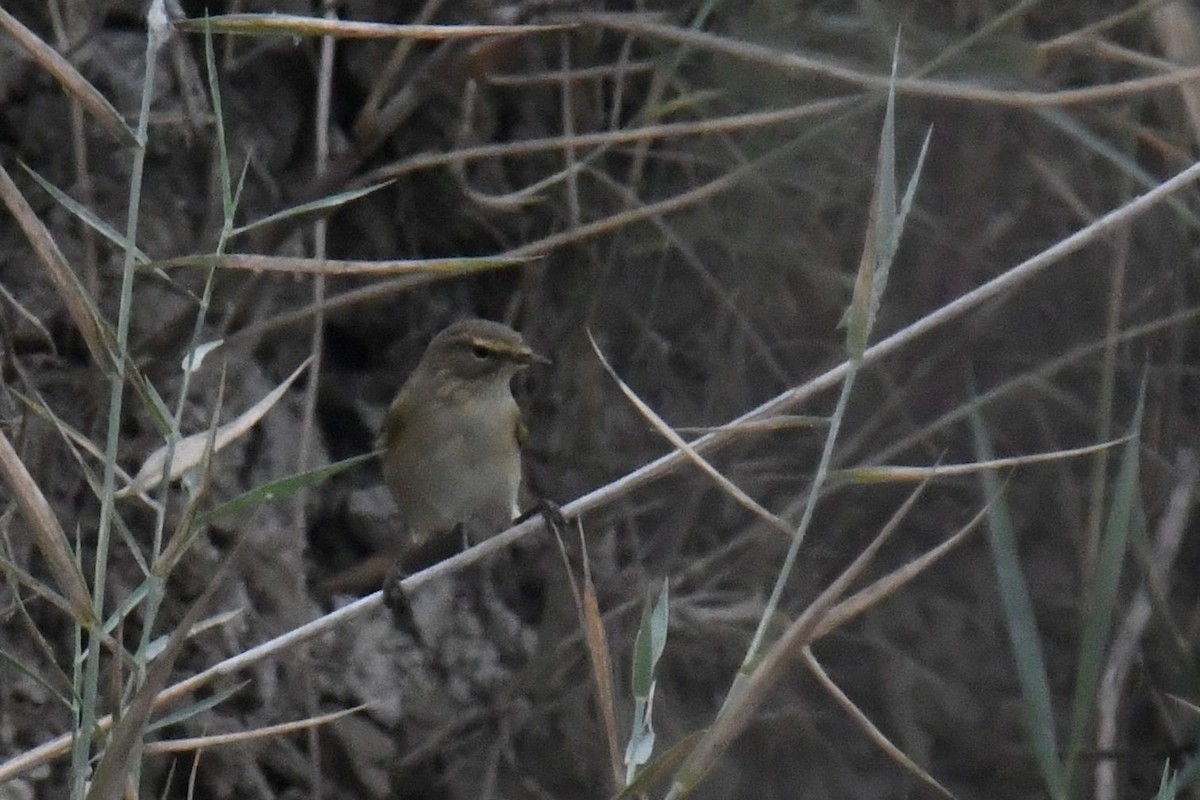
<point x="294" y="25"/>
<point x="919" y="87"/>
<point x="873" y="733"/>
<point x="72" y="82"/>
<point x="168" y="746"/>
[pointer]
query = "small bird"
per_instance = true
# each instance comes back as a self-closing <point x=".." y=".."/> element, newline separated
<point x="452" y="439"/>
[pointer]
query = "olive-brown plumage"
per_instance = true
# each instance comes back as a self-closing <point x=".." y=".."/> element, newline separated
<point x="452" y="436"/>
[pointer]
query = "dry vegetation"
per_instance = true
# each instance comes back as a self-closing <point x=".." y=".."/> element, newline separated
<point x="681" y="193"/>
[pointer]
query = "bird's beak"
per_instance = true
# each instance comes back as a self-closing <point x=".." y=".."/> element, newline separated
<point x="530" y="357"/>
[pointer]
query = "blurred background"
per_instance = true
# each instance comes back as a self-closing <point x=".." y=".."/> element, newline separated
<point x="694" y="180"/>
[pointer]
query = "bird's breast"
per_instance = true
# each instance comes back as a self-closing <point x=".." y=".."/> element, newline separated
<point x="457" y="466"/>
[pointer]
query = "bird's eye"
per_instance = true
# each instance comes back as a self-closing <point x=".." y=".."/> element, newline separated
<point x="480" y="352"/>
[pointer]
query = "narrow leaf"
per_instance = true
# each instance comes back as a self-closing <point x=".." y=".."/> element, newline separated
<point x="35" y="675"/>
<point x="190" y="450"/>
<point x="70" y="79"/>
<point x="214" y="91"/>
<point x="886" y="473"/>
<point x="1022" y="626"/>
<point x="86" y="215"/>
<point x="216" y="620"/>
<point x="873" y="733"/>
<point x="48" y="534"/>
<point x="647" y="649"/>
<point x="660" y="768"/>
<point x="99" y="339"/>
<point x="860" y="602"/>
<point x="753" y="681"/>
<point x="597" y="645"/>
<point x="200" y="706"/>
<point x="108" y="781"/>
<point x="334" y="268"/>
<point x="296" y="25"/>
<point x="660" y="425"/>
<point x="252" y="735"/>
<point x="1109" y="562"/>
<point x="332" y="201"/>
<point x="280" y="488"/>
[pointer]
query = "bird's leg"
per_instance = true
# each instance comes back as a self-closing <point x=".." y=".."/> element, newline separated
<point x="425" y="553"/>
<point x="396" y="600"/>
<point x="549" y="511"/>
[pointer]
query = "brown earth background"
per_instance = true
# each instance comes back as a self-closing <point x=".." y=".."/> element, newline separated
<point x="711" y="262"/>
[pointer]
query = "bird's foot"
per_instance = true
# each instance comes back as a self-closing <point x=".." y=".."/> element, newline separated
<point x="396" y="600"/>
<point x="551" y="515"/>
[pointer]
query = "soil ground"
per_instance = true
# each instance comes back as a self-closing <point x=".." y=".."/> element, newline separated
<point x="706" y="309"/>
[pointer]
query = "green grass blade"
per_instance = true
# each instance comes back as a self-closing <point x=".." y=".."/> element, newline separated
<point x="126" y="607"/>
<point x="660" y="768"/>
<point x="192" y="709"/>
<point x="86" y="215"/>
<point x="644" y="652"/>
<point x="279" y="488"/>
<point x="906" y="202"/>
<point x="885" y="185"/>
<point x="1109" y="562"/>
<point x="1121" y="160"/>
<point x="1172" y="784"/>
<point x="1022" y="627"/>
<point x="35" y="675"/>
<point x="647" y="649"/>
<point x="332" y="201"/>
<point x="214" y="91"/>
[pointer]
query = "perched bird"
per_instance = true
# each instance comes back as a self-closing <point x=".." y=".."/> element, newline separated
<point x="451" y="443"/>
